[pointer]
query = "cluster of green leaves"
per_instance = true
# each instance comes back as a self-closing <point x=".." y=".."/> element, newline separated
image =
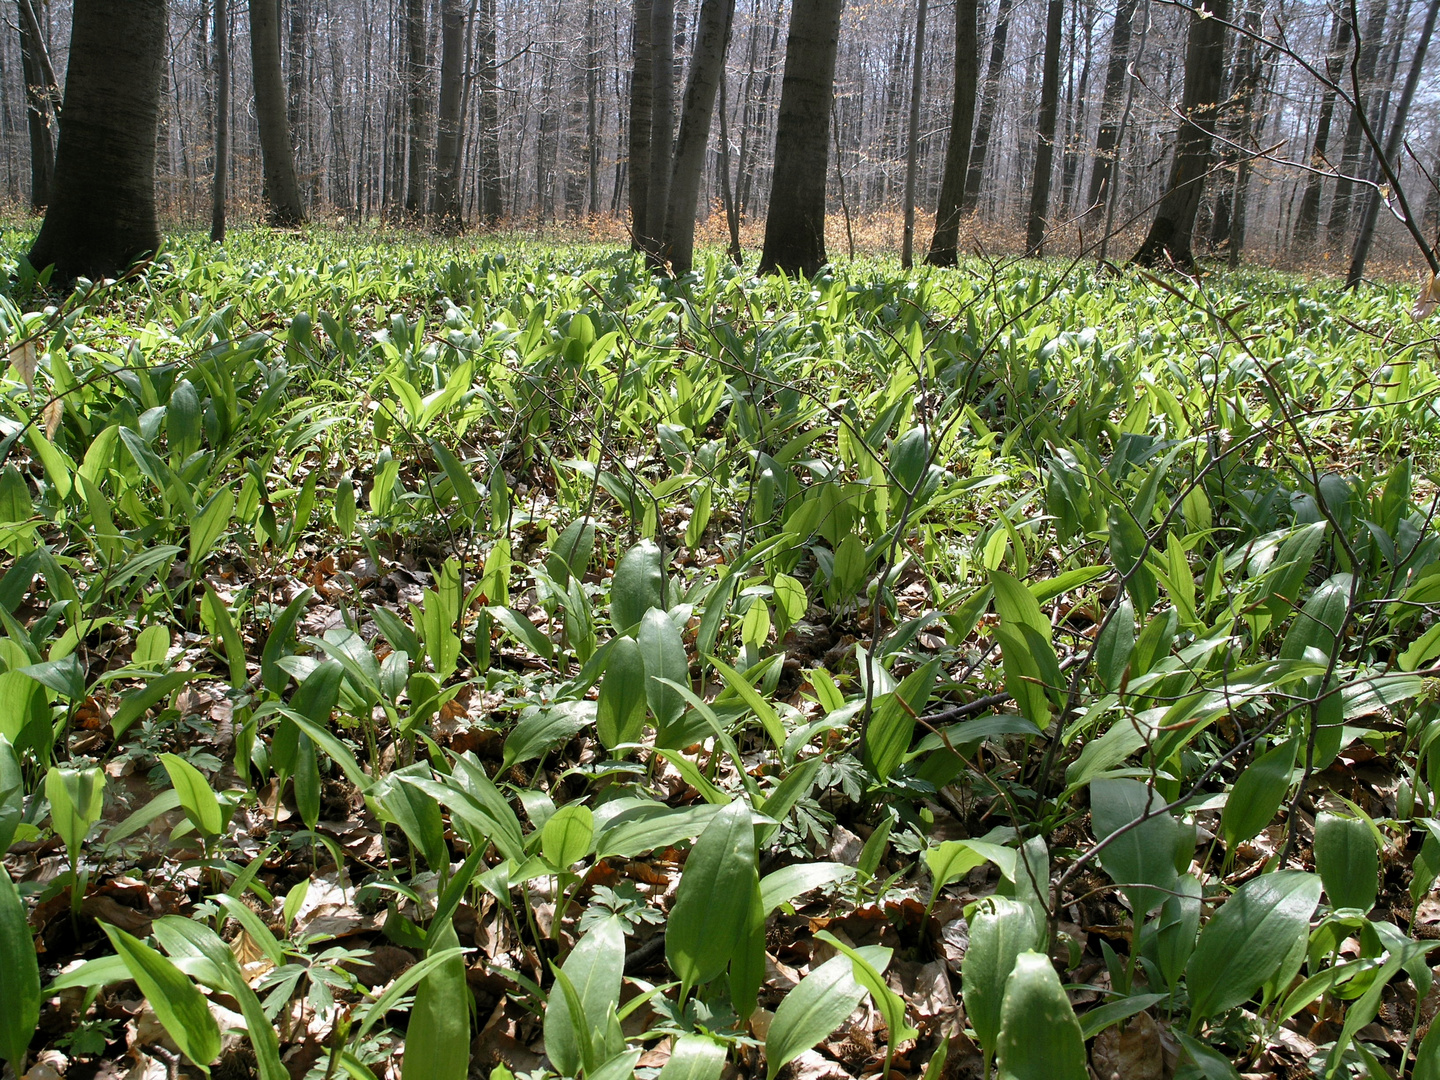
<point x="1178" y="551"/>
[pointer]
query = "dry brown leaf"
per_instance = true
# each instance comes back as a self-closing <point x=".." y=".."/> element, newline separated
<point x="24" y="360"/>
<point x="1428" y="299"/>
<point x="52" y="415"/>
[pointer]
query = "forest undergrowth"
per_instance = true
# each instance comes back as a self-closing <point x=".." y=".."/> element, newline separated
<point x="429" y="660"/>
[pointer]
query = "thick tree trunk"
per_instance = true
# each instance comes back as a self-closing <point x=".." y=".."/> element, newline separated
<point x="1169" y="234"/>
<point x="222" y="121"/>
<point x="989" y="103"/>
<point x="707" y="68"/>
<point x="102" y="208"/>
<point x="446" y="208"/>
<point x="1103" y="171"/>
<point x="415" y="107"/>
<point x="642" y="100"/>
<point x="662" y="122"/>
<point x="490" y="196"/>
<point x="1307" y="220"/>
<point x="795" y="223"/>
<point x="945" y="243"/>
<point x="1045" y="139"/>
<point x="39" y="99"/>
<point x="282" y="189"/>
<point x="1393" y="142"/>
<point x="912" y="137"/>
<point x="1364" y="74"/>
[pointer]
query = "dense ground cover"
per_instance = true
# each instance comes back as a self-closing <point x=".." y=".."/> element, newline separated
<point x="399" y="637"/>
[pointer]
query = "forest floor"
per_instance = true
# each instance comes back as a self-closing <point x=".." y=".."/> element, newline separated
<point x="716" y="677"/>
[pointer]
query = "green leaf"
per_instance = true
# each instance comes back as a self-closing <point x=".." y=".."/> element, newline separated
<point x="638" y="586"/>
<point x="909" y="458"/>
<point x="196" y="797"/>
<point x="1246" y="942"/>
<point x="178" y="1004"/>
<point x="210" y="525"/>
<point x="568" y="836"/>
<point x="1040" y="1038"/>
<point x="437" y="1041"/>
<point x="65" y="676"/>
<point x="1211" y="1064"/>
<point x="523" y="630"/>
<point x="595" y="968"/>
<point x="711" y="916"/>
<point x="136" y="703"/>
<point x="1000" y="930"/>
<point x="888" y="735"/>
<point x="664" y="656"/>
<point x="1258" y="792"/>
<point x="277" y="643"/>
<point x="890" y="1004"/>
<point x="1347" y="861"/>
<point x="815" y="1008"/>
<point x="1097" y="1020"/>
<point x="694" y="1057"/>
<point x="1115" y="645"/>
<point x="620" y="710"/>
<point x="540" y="730"/>
<point x="19" y="977"/>
<point x="76" y="799"/>
<point x="1144" y="855"/>
<point x="417" y="813"/>
<point x="948" y="861"/>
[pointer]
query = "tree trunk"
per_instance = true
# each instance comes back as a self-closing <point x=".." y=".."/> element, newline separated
<point x="39" y="98"/>
<point x="222" y="120"/>
<point x="488" y="137"/>
<point x="281" y="189"/>
<point x="912" y="138"/>
<point x="662" y="121"/>
<point x="1364" y="74"/>
<point x="415" y="106"/>
<point x="1045" y="140"/>
<point x="1393" y="142"/>
<point x="642" y="83"/>
<point x="1169" y="234"/>
<point x="795" y="223"/>
<point x="727" y="192"/>
<point x="707" y="68"/>
<point x="1103" y="171"/>
<point x="988" y="105"/>
<point x="592" y="109"/>
<point x="945" y="243"/>
<point x="446" y="208"/>
<point x="1307" y="220"/>
<point x="102" y="208"/>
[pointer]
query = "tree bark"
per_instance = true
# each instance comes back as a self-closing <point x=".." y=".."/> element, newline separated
<point x="222" y="121"/>
<point x="1103" y="171"/>
<point x="491" y="195"/>
<point x="1170" y="231"/>
<point x="912" y="139"/>
<point x="102" y="209"/>
<point x="1364" y="73"/>
<point x="795" y="223"/>
<point x="1045" y="140"/>
<point x="39" y="99"/>
<point x="707" y="68"/>
<point x="445" y="207"/>
<point x="988" y="105"/>
<point x="642" y="83"/>
<point x="945" y="243"/>
<point x="415" y="106"/>
<point x="662" y="122"/>
<point x="1307" y="219"/>
<point x="281" y="189"/>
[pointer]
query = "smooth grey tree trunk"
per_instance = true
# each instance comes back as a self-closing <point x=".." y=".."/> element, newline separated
<point x="662" y="122"/>
<point x="707" y="68"/>
<point x="416" y="107"/>
<point x="1103" y="171"/>
<point x="102" y="209"/>
<point x="1365" y="234"/>
<point x="491" y="195"/>
<point x="912" y="135"/>
<point x="1045" y="138"/>
<point x="39" y="104"/>
<point x="222" y="121"/>
<point x="1307" y="219"/>
<point x="727" y="191"/>
<point x="989" y="103"/>
<point x="445" y="207"/>
<point x="642" y="83"/>
<point x="795" y="223"/>
<point x="282" y="189"/>
<point x="945" y="243"/>
<point x="1170" y="231"/>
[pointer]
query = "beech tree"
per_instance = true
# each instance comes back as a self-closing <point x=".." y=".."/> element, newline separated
<point x="282" y="188"/>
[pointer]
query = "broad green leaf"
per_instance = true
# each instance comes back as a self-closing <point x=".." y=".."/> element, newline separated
<point x="949" y="861"/>
<point x="1000" y="930"/>
<point x="1040" y="1038"/>
<point x="1143" y="855"/>
<point x="196" y="798"/>
<point x="638" y="586"/>
<point x="437" y="1040"/>
<point x="136" y="703"/>
<point x="76" y="798"/>
<point x="540" y="730"/>
<point x="523" y="630"/>
<point x="620" y="710"/>
<point x="12" y="794"/>
<point x="815" y="1008"/>
<point x="889" y="1003"/>
<point x="1347" y="861"/>
<point x="19" y="977"/>
<point x="1258" y="792"/>
<point x="568" y="836"/>
<point x="1248" y="939"/>
<point x="595" y="968"/>
<point x="694" y="1057"/>
<point x="1115" y="645"/>
<point x="887" y="736"/>
<point x="664" y="656"/>
<point x="417" y="813"/>
<point x="178" y="1004"/>
<point x="711" y="916"/>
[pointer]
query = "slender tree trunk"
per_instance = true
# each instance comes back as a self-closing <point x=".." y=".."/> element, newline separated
<point x="642" y="83"/>
<point x="34" y="64"/>
<point x="989" y="103"/>
<point x="795" y="223"/>
<point x="912" y="136"/>
<point x="102" y="208"/>
<point x="662" y="122"/>
<point x="1045" y="140"/>
<point x="491" y="196"/>
<point x="592" y="107"/>
<point x="415" y="106"/>
<point x="1103" y="171"/>
<point x="727" y="193"/>
<point x="1364" y="74"/>
<point x="1365" y="235"/>
<point x="1170" y="231"/>
<point x="446" y="208"/>
<point x="707" y="69"/>
<point x="945" y="243"/>
<point x="282" y="189"/>
<point x="222" y="120"/>
<point x="1307" y="219"/>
